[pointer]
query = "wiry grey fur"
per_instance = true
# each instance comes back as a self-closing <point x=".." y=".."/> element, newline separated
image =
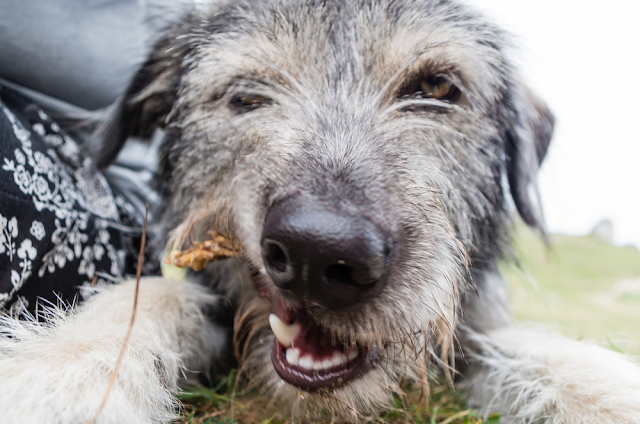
<point x="337" y="126"/>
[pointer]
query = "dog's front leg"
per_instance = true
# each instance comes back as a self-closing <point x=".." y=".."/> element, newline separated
<point x="532" y="376"/>
<point x="58" y="372"/>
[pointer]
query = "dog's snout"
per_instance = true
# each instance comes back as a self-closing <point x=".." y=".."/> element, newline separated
<point x="322" y="253"/>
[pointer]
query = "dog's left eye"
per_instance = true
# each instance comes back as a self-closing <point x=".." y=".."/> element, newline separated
<point x="433" y="87"/>
<point x="437" y="88"/>
<point x="249" y="102"/>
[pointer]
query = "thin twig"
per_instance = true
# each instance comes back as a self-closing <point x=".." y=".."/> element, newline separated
<point x="454" y="417"/>
<point x="143" y="242"/>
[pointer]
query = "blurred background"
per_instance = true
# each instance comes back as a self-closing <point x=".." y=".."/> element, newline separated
<point x="583" y="59"/>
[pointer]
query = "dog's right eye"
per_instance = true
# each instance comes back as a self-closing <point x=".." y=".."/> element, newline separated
<point x="248" y="102"/>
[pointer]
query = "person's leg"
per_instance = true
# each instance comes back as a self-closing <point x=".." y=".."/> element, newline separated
<point x="57" y="213"/>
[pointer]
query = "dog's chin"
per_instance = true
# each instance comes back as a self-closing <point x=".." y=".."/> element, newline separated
<point x="310" y="356"/>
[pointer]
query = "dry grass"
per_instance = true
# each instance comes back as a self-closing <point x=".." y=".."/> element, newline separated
<point x="222" y="405"/>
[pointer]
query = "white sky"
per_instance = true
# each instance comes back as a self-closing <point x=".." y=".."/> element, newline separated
<point x="583" y="59"/>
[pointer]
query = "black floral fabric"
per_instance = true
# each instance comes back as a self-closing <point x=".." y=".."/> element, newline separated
<point x="60" y="225"/>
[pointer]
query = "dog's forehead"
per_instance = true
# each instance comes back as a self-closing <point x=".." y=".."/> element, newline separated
<point x="321" y="43"/>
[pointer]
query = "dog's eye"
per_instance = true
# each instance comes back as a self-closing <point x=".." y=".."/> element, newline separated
<point x="433" y="87"/>
<point x="437" y="88"/>
<point x="249" y="102"/>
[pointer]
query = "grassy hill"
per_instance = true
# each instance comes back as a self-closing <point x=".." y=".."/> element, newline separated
<point x="581" y="286"/>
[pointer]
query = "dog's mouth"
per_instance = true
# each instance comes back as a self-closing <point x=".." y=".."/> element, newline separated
<point x="309" y="356"/>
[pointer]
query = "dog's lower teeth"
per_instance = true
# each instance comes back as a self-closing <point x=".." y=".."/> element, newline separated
<point x="338" y="358"/>
<point x="307" y="362"/>
<point x="293" y="356"/>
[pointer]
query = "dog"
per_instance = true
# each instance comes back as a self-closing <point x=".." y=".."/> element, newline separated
<point x="368" y="157"/>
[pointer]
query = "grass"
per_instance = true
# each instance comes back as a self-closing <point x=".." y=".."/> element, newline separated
<point x="221" y="406"/>
<point x="570" y="287"/>
<point x="573" y="287"/>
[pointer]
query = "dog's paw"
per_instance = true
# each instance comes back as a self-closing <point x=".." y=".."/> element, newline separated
<point x="533" y="376"/>
<point x="59" y="371"/>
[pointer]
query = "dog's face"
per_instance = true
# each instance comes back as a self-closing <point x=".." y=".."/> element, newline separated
<point x="358" y="152"/>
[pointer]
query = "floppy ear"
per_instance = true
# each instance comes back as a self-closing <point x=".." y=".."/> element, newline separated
<point x="528" y="131"/>
<point x="144" y="106"/>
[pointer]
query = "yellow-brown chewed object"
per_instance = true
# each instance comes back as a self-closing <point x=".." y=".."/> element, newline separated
<point x="204" y="252"/>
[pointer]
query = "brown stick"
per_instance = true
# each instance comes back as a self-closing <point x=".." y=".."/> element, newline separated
<point x="143" y="242"/>
<point x="199" y="256"/>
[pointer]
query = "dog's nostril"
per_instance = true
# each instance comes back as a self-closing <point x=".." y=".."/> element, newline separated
<point x="344" y="275"/>
<point x="275" y="257"/>
<point x="339" y="274"/>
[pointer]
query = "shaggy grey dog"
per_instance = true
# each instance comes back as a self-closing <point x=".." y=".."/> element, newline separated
<point x="364" y="155"/>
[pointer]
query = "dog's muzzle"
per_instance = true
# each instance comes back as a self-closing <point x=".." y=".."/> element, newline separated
<point x="320" y="253"/>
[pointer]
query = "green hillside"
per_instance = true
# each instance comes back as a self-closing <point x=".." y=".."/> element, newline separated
<point x="581" y="286"/>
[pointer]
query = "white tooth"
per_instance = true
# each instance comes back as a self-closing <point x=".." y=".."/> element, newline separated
<point x="327" y="363"/>
<point x="317" y="365"/>
<point x="293" y="356"/>
<point x="338" y="358"/>
<point x="353" y="353"/>
<point x="306" y="362"/>
<point x="283" y="332"/>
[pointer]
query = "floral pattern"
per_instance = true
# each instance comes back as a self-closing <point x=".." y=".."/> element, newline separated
<point x="46" y="180"/>
<point x="73" y="204"/>
<point x="8" y="231"/>
<point x="37" y="230"/>
<point x="25" y="254"/>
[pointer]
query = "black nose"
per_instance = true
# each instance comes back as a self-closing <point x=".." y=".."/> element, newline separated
<point x="323" y="254"/>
